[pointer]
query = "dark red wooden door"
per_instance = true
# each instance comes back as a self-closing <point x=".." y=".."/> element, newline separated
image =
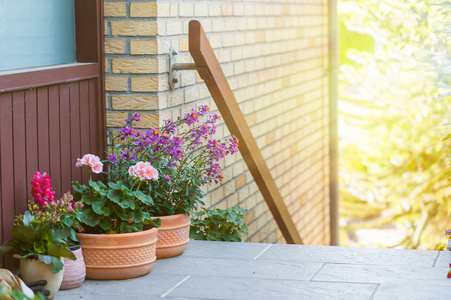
<point x="48" y="119"/>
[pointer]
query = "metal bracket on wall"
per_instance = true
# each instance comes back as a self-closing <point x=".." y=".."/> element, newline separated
<point x="173" y="66"/>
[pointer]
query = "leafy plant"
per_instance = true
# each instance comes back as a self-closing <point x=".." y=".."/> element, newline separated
<point x="39" y="241"/>
<point x="219" y="224"/>
<point x="113" y="208"/>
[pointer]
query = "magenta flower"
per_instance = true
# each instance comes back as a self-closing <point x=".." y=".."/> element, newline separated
<point x="41" y="189"/>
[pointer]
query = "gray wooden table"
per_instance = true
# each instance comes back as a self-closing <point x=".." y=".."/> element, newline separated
<point x="223" y="270"/>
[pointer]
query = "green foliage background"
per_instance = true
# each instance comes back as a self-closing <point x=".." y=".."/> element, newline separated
<point x="393" y="161"/>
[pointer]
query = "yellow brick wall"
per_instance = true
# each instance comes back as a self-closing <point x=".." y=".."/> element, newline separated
<point x="274" y="55"/>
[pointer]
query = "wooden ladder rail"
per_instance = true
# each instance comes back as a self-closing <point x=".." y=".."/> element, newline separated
<point x="208" y="67"/>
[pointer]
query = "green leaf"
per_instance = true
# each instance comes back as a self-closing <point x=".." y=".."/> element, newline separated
<point x="101" y="184"/>
<point x="57" y="250"/>
<point x="40" y="247"/>
<point x="101" y="209"/>
<point x="146" y="199"/>
<point x="27" y="218"/>
<point x="96" y="187"/>
<point x="153" y="223"/>
<point x="122" y="214"/>
<point x="105" y="224"/>
<point x="47" y="259"/>
<point x="61" y="235"/>
<point x="127" y="203"/>
<point x="137" y="215"/>
<point x="114" y="185"/>
<point x="57" y="265"/>
<point x="88" y="216"/>
<point x="127" y="228"/>
<point x="45" y="232"/>
<point x="24" y="233"/>
<point x="68" y="222"/>
<point x="73" y="235"/>
<point x="115" y="196"/>
<point x="89" y="199"/>
<point x="80" y="188"/>
<point x="129" y="192"/>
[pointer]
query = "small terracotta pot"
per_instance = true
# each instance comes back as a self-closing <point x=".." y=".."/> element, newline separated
<point x="118" y="256"/>
<point x="173" y="235"/>
<point x="34" y="270"/>
<point x="74" y="270"/>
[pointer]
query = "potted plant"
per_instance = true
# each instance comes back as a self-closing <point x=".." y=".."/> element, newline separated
<point x="40" y="247"/>
<point x="62" y="214"/>
<point x="186" y="157"/>
<point x="118" y="236"/>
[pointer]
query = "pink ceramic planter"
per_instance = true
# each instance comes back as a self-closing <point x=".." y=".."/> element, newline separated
<point x="74" y="271"/>
<point x="173" y="235"/>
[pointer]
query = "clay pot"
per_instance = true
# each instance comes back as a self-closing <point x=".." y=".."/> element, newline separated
<point x="74" y="270"/>
<point x="173" y="235"/>
<point x="33" y="270"/>
<point x="118" y="256"/>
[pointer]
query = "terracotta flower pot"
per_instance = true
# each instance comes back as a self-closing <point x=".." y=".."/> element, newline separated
<point x="33" y="270"/>
<point x="173" y="235"/>
<point x="118" y="256"/>
<point x="74" y="270"/>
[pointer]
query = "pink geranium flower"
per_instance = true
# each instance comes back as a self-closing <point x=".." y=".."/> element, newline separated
<point x="91" y="161"/>
<point x="143" y="170"/>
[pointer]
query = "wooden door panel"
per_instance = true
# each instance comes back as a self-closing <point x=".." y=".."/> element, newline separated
<point x="46" y="129"/>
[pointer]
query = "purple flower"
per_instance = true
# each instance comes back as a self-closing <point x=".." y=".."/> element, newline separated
<point x="112" y="159"/>
<point x="191" y="117"/>
<point x="128" y="155"/>
<point x="203" y="109"/>
<point x="185" y="145"/>
<point x="448" y="231"/>
<point x="136" y="117"/>
<point x="129" y="131"/>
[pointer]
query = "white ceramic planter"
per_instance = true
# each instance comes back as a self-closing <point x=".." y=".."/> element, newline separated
<point x="34" y="270"/>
